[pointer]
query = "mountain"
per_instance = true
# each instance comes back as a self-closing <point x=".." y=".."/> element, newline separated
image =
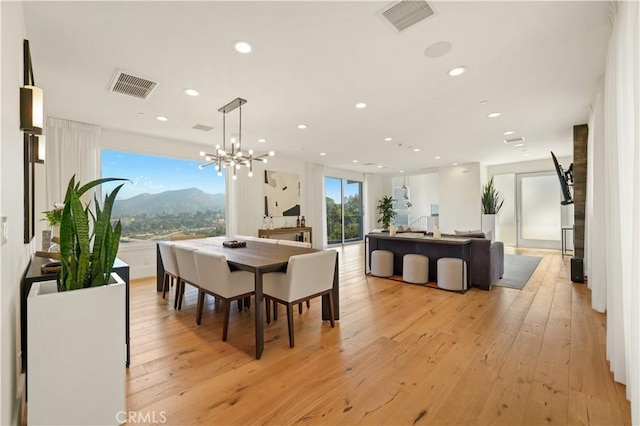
<point x="191" y="200"/>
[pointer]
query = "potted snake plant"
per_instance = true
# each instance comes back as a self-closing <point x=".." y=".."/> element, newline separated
<point x="491" y="205"/>
<point x="76" y="324"/>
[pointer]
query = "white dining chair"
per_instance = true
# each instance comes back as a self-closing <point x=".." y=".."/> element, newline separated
<point x="187" y="268"/>
<point x="294" y="243"/>
<point x="215" y="278"/>
<point x="171" y="271"/>
<point x="308" y="276"/>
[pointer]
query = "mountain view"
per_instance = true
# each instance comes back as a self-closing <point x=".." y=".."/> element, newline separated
<point x="171" y="213"/>
<point x="191" y="200"/>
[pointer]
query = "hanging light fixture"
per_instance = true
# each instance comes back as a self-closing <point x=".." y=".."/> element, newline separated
<point x="234" y="158"/>
<point x="31" y="98"/>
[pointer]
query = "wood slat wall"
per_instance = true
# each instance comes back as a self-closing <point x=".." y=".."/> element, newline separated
<point x="401" y="354"/>
<point x="580" y="135"/>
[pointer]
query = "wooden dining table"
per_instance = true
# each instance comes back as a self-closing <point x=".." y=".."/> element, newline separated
<point x="259" y="258"/>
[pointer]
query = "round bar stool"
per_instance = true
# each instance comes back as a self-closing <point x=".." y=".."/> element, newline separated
<point x="415" y="269"/>
<point x="382" y="263"/>
<point x="452" y="274"/>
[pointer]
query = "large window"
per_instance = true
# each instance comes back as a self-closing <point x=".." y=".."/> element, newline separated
<point x="344" y="210"/>
<point x="168" y="196"/>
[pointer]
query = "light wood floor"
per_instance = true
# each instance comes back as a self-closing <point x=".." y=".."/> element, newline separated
<point x="401" y="354"/>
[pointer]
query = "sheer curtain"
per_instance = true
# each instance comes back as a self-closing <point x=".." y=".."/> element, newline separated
<point x="614" y="202"/>
<point x="316" y="214"/>
<point x="72" y="149"/>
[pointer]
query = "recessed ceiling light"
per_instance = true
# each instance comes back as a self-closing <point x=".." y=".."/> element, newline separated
<point x="162" y="118"/>
<point x="493" y="114"/>
<point x="437" y="158"/>
<point x="519" y="144"/>
<point x="388" y="139"/>
<point x="401" y="171"/>
<point x="416" y="149"/>
<point x="379" y="167"/>
<point x="262" y="140"/>
<point x="302" y="126"/>
<point x="483" y="102"/>
<point x="354" y="161"/>
<point x="361" y="105"/>
<point x="508" y="132"/>
<point x="526" y="154"/>
<point x="457" y="71"/>
<point x="455" y="164"/>
<point x="242" y="46"/>
<point x="323" y="153"/>
<point x="191" y="92"/>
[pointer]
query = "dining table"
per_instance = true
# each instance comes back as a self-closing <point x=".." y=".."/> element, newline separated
<point x="259" y="258"/>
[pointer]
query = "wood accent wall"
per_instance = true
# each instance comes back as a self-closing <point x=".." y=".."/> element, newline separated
<point x="580" y="134"/>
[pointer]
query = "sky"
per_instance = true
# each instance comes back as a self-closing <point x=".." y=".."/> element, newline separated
<point x="332" y="187"/>
<point x="152" y="174"/>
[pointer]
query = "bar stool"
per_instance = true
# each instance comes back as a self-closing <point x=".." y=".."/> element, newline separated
<point x="382" y="263"/>
<point x="415" y="268"/>
<point x="452" y="274"/>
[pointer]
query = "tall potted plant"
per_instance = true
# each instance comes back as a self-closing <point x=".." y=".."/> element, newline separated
<point x="76" y="324"/>
<point x="491" y="205"/>
<point x="386" y="212"/>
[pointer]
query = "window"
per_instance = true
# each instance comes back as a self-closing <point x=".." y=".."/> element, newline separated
<point x="344" y="210"/>
<point x="168" y="197"/>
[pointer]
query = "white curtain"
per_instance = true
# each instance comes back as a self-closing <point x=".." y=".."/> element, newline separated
<point x="316" y="213"/>
<point x="72" y="149"/>
<point x="614" y="202"/>
<point x="245" y="208"/>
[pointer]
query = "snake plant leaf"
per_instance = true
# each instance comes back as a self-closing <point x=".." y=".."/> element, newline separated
<point x="101" y="228"/>
<point x="97" y="182"/>
<point x="81" y="221"/>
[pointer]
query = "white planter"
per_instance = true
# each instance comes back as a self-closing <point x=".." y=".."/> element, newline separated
<point x="489" y="226"/>
<point x="76" y="358"/>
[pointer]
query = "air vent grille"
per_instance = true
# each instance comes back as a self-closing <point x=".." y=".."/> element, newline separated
<point x="514" y="140"/>
<point x="202" y="127"/>
<point x="406" y="13"/>
<point x="131" y="85"/>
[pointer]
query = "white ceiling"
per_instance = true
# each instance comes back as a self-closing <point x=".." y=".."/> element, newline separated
<point x="535" y="62"/>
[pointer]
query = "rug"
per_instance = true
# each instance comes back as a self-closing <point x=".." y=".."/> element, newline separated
<point x="518" y="270"/>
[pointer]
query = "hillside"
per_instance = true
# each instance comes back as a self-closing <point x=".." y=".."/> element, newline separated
<point x="191" y="200"/>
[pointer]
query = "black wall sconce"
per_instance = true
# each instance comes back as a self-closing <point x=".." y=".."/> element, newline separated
<point x="31" y="98"/>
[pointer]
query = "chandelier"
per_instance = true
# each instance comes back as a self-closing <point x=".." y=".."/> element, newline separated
<point x="235" y="158"/>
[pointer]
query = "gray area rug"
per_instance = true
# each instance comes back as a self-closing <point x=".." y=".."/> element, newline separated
<point x="518" y="270"/>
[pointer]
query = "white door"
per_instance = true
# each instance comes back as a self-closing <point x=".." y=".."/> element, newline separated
<point x="539" y="210"/>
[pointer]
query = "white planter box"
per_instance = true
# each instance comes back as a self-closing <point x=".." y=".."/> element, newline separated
<point x="489" y="226"/>
<point x="76" y="358"/>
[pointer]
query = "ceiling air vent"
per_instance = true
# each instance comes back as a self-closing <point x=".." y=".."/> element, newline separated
<point x="131" y="85"/>
<point x="406" y="13"/>
<point x="515" y="140"/>
<point x="202" y="127"/>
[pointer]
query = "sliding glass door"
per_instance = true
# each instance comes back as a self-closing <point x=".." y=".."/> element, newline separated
<point x="539" y="214"/>
<point x="344" y="210"/>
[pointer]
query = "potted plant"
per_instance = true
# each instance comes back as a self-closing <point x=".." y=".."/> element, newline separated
<point x="491" y="205"/>
<point x="386" y="212"/>
<point x="76" y="324"/>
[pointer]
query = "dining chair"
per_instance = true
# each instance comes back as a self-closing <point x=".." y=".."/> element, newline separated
<point x="215" y="278"/>
<point x="187" y="268"/>
<point x="308" y="276"/>
<point x="171" y="271"/>
<point x="292" y="244"/>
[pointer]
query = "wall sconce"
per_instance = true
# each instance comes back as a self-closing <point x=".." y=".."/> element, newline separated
<point x="31" y="98"/>
<point x="39" y="149"/>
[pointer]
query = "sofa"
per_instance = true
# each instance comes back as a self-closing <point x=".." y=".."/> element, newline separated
<point x="486" y="259"/>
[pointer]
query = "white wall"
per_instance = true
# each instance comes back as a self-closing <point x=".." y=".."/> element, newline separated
<point x="376" y="187"/>
<point x="459" y="190"/>
<point x="14" y="254"/>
